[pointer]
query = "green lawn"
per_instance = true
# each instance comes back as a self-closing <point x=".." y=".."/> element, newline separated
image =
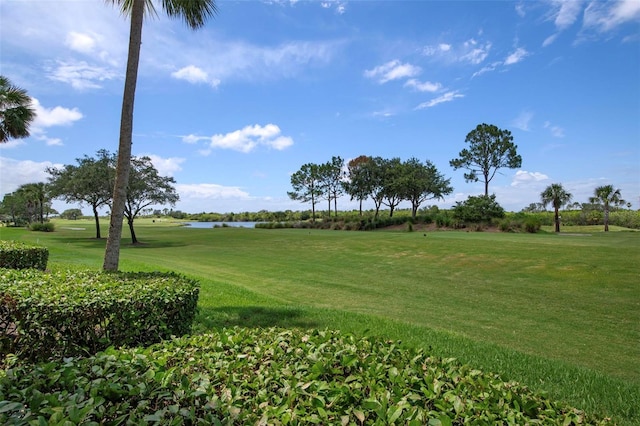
<point x="560" y="313"/>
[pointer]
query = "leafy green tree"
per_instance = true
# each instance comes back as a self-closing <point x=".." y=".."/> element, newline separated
<point x="607" y="197"/>
<point x="36" y="199"/>
<point x="393" y="181"/>
<point x="557" y="196"/>
<point x="376" y="171"/>
<point x="423" y="182"/>
<point x="331" y="176"/>
<point x="71" y="214"/>
<point x="14" y="209"/>
<point x="490" y="149"/>
<point x="358" y="182"/>
<point x="478" y="209"/>
<point x="90" y="182"/>
<point x="194" y="13"/>
<point x="307" y="186"/>
<point x="146" y="187"/>
<point x="16" y="112"/>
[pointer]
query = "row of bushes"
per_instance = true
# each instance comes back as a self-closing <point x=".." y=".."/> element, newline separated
<point x="271" y="376"/>
<point x="19" y="255"/>
<point x="68" y="313"/>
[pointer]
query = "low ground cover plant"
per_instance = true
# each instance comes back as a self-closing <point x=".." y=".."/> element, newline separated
<point x="67" y="313"/>
<point x="271" y="376"/>
<point x="19" y="255"/>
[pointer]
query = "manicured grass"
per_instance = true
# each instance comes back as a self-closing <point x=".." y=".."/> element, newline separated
<point x="559" y="313"/>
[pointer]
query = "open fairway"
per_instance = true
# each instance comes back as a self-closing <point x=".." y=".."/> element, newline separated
<point x="559" y="313"/>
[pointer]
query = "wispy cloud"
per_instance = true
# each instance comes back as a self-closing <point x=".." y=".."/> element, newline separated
<point x="605" y="16"/>
<point x="392" y="70"/>
<point x="81" y="75"/>
<point x="423" y="86"/>
<point x="209" y="191"/>
<point x="447" y="97"/>
<point x="470" y="51"/>
<point x="517" y="56"/>
<point x="245" y="140"/>
<point x="556" y="131"/>
<point x="523" y="121"/>
<point x="19" y="172"/>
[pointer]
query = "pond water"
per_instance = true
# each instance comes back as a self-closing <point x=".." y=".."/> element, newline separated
<point x="201" y="225"/>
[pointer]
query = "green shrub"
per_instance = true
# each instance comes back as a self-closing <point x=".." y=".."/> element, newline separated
<point x="42" y="227"/>
<point x="271" y="376"/>
<point x="443" y="220"/>
<point x="71" y="313"/>
<point x="19" y="255"/>
<point x="531" y="224"/>
<point x="478" y="209"/>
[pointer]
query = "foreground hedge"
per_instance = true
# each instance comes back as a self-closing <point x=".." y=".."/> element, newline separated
<point x="289" y="377"/>
<point x="44" y="315"/>
<point x="19" y="255"/>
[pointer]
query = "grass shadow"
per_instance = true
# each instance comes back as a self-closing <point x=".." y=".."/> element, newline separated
<point x="251" y="316"/>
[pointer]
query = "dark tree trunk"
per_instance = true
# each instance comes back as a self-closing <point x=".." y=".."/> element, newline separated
<point x="112" y="252"/>
<point x="134" y="240"/>
<point x="97" y="219"/>
<point x="557" y="220"/>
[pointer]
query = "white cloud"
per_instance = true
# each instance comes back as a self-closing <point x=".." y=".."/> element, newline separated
<point x="523" y="177"/>
<point x="245" y="140"/>
<point x="518" y="55"/>
<point x="209" y="191"/>
<point x="194" y="75"/>
<point x="56" y="116"/>
<point x="520" y="9"/>
<point x="547" y="41"/>
<point x="83" y="43"/>
<point x="567" y="13"/>
<point x="426" y="86"/>
<point x="166" y="166"/>
<point x="447" y="97"/>
<point x="392" y="70"/>
<point x="605" y="16"/>
<point x="81" y="75"/>
<point x="488" y="68"/>
<point x="17" y="172"/>
<point x="475" y="53"/>
<point x="471" y="51"/>
<point x="340" y="6"/>
<point x="522" y="121"/>
<point x="556" y="131"/>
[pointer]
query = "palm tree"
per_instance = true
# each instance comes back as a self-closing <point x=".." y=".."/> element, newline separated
<point x="194" y="13"/>
<point x="16" y="113"/>
<point x="607" y="197"/>
<point x="558" y="197"/>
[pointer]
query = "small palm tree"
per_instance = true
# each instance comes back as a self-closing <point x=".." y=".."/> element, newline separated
<point x="607" y="196"/>
<point x="16" y="113"/>
<point x="558" y="197"/>
<point x="195" y="14"/>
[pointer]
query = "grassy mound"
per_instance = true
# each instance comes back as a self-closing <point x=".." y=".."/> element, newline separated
<point x="270" y="376"/>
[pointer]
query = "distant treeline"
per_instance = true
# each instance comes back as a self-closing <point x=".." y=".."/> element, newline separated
<point x="432" y="214"/>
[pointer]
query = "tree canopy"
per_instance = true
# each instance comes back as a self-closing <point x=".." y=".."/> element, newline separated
<point x="90" y="182"/>
<point x="16" y="111"/>
<point x="490" y="149"/>
<point x="557" y="196"/>
<point x="607" y="196"/>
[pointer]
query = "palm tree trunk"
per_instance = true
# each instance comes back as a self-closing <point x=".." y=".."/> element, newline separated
<point x="557" y="220"/>
<point x="606" y="219"/>
<point x="112" y="252"/>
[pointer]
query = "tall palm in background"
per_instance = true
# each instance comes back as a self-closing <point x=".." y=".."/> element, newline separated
<point x="558" y="197"/>
<point x="16" y="113"/>
<point x="607" y="196"/>
<point x="194" y="13"/>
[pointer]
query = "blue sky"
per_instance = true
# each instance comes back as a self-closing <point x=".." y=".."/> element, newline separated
<point x="232" y="110"/>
